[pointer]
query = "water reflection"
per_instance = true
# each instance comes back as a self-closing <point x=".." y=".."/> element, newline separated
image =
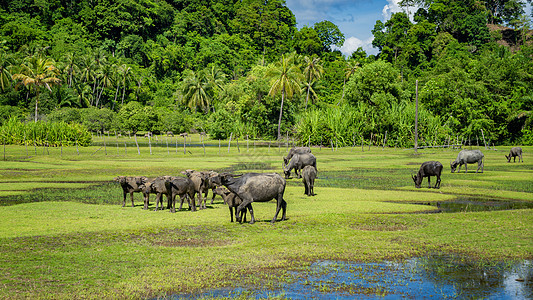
<point x="435" y="277"/>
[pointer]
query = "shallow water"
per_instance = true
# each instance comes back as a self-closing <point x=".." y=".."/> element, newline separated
<point x="473" y="204"/>
<point x="418" y="278"/>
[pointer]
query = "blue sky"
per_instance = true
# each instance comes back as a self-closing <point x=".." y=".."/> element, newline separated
<point x="355" y="18"/>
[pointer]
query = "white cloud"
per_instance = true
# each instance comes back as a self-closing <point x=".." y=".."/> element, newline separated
<point x="393" y="6"/>
<point x="352" y="43"/>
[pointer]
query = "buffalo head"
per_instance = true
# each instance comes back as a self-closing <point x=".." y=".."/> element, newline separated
<point x="453" y="165"/>
<point x="418" y="180"/>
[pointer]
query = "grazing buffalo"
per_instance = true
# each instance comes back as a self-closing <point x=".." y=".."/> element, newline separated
<point x="183" y="187"/>
<point x="130" y="185"/>
<point x="232" y="200"/>
<point x="298" y="162"/>
<point x="255" y="187"/>
<point x="428" y="169"/>
<point x="468" y="157"/>
<point x="515" y="151"/>
<point x="309" y="176"/>
<point x="295" y="150"/>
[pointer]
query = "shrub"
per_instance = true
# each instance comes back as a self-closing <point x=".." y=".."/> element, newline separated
<point x="44" y="133"/>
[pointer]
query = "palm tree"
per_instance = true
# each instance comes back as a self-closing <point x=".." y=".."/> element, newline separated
<point x="38" y="72"/>
<point x="5" y="65"/>
<point x="312" y="87"/>
<point x="125" y="76"/>
<point x="350" y="68"/>
<point x="105" y="74"/>
<point x="286" y="77"/>
<point x="216" y="79"/>
<point x="196" y="90"/>
<point x="313" y="70"/>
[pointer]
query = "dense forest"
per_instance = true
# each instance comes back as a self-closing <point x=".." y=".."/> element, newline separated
<point x="243" y="67"/>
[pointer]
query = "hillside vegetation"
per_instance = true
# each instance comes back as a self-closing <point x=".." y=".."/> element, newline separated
<point x="243" y="68"/>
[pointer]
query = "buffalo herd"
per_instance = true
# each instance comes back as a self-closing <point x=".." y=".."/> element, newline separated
<point x="240" y="191"/>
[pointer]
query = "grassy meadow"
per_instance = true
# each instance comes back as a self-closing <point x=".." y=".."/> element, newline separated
<point x="64" y="234"/>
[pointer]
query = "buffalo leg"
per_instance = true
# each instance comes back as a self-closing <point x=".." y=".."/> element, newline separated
<point x="157" y="201"/>
<point x="124" y="202"/>
<point x="437" y="185"/>
<point x="146" y="201"/>
<point x="245" y="202"/>
<point x="480" y="165"/>
<point x="281" y="204"/>
<point x="306" y="186"/>
<point x="192" y="203"/>
<point x="429" y="182"/>
<point x="132" y="204"/>
<point x="212" y="199"/>
<point x="231" y="213"/>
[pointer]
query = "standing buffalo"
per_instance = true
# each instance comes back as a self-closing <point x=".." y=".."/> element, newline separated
<point x="468" y="157"/>
<point x="183" y="187"/>
<point x="158" y="187"/>
<point x="298" y="162"/>
<point x="255" y="187"/>
<point x="130" y="185"/>
<point x="428" y="169"/>
<point x="515" y="151"/>
<point x="295" y="150"/>
<point x="309" y="176"/>
<point x="232" y="200"/>
<point x="200" y="184"/>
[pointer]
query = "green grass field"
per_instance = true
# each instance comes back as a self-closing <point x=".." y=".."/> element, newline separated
<point x="64" y="234"/>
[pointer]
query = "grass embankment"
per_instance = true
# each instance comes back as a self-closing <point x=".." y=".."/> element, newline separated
<point x="79" y="242"/>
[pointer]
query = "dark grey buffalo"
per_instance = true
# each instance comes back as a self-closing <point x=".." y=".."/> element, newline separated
<point x="130" y="185"/>
<point x="428" y="169"/>
<point x="183" y="187"/>
<point x="255" y="187"/>
<point x="298" y="162"/>
<point x="200" y="184"/>
<point x="308" y="177"/>
<point x="515" y="151"/>
<point x="232" y="200"/>
<point x="468" y="157"/>
<point x="295" y="150"/>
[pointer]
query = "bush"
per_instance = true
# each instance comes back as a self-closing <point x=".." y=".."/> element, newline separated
<point x="44" y="133"/>
<point x="96" y="119"/>
<point x="67" y="115"/>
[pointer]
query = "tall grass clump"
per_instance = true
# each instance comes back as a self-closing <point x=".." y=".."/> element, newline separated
<point x="52" y="134"/>
<point x="345" y="124"/>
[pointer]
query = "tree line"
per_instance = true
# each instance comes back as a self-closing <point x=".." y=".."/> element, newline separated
<point x="243" y="67"/>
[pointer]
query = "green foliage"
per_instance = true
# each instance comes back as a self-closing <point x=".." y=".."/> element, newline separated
<point x="44" y="133"/>
<point x="98" y="120"/>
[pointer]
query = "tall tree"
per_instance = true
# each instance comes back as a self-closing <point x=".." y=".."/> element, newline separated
<point x="329" y="34"/>
<point x="350" y="68"/>
<point x="5" y="65"/>
<point x="38" y="72"/>
<point x="312" y="71"/>
<point x="196" y="90"/>
<point x="286" y="77"/>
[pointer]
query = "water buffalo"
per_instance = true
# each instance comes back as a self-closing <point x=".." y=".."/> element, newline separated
<point x="298" y="162"/>
<point x="515" y="151"/>
<point x="209" y="184"/>
<point x="428" y="169"/>
<point x="156" y="186"/>
<point x="309" y="176"/>
<point x="295" y="150"/>
<point x="232" y="200"/>
<point x="468" y="157"/>
<point x="200" y="184"/>
<point x="255" y="187"/>
<point x="130" y="185"/>
<point x="183" y="187"/>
